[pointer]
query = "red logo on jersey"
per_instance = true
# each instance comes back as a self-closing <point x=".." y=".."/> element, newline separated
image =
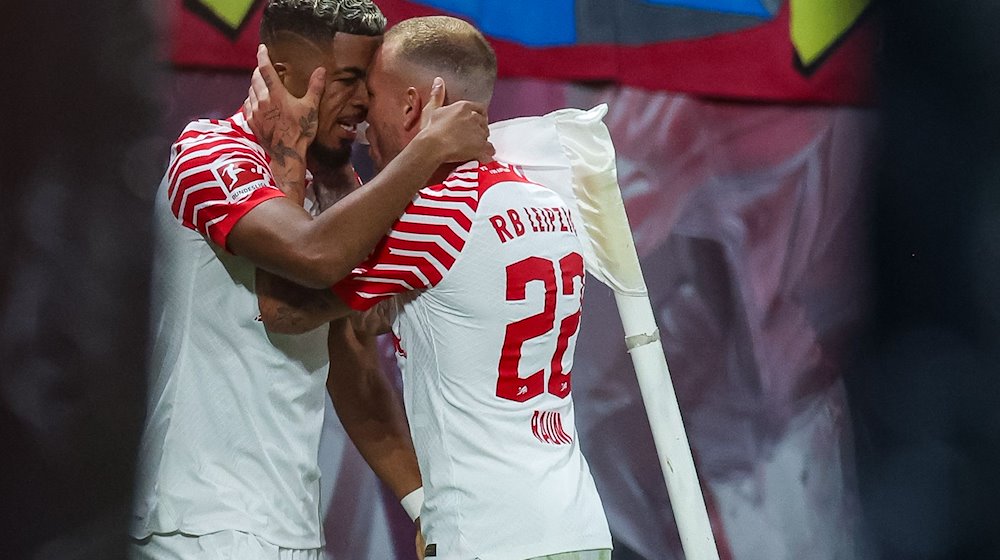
<point x="242" y="178"/>
<point x="547" y="427"/>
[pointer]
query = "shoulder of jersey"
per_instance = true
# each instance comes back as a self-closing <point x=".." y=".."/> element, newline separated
<point x="213" y="130"/>
<point x="479" y="178"/>
<point x="214" y="164"/>
<point x="206" y="141"/>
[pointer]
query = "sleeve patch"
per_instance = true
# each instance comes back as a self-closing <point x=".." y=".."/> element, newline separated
<point x="215" y="183"/>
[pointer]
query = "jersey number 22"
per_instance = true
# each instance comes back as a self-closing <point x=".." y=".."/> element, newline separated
<point x="511" y="385"/>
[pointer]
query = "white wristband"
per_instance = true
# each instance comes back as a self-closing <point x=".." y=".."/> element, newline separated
<point x="412" y="503"/>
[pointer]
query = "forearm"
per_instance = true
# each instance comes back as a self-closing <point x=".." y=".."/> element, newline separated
<point x="288" y="169"/>
<point x="287" y="308"/>
<point x="345" y="234"/>
<point x="282" y="238"/>
<point x="369" y="408"/>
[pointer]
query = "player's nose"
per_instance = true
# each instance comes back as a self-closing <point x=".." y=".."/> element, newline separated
<point x="360" y="96"/>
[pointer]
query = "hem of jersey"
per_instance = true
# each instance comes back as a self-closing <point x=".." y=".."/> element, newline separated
<point x="217" y="527"/>
<point x="220" y="232"/>
<point x="589" y="542"/>
<point x="195" y="540"/>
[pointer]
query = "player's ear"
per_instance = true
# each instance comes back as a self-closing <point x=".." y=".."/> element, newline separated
<point x="413" y="108"/>
<point x="282" y="69"/>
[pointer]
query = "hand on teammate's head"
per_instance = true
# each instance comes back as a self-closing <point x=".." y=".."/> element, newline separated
<point x="276" y="117"/>
<point x="461" y="127"/>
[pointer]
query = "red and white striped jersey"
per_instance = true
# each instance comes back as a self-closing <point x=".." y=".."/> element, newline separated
<point x="486" y="351"/>
<point x="234" y="412"/>
<point x="217" y="174"/>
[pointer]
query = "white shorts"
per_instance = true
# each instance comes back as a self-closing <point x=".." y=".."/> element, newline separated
<point x="224" y="545"/>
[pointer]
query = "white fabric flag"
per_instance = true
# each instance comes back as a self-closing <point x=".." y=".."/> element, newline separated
<point x="570" y="151"/>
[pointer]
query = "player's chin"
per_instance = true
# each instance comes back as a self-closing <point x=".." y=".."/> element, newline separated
<point x="333" y="154"/>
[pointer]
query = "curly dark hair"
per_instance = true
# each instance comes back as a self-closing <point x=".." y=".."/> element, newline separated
<point x="320" y="20"/>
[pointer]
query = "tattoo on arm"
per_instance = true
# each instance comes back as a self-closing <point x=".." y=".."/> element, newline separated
<point x="302" y="305"/>
<point x="290" y="308"/>
<point x="281" y="153"/>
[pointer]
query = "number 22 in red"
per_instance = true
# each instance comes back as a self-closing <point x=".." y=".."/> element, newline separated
<point x="510" y="385"/>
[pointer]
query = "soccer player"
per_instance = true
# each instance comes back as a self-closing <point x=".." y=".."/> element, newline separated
<point x="228" y="465"/>
<point x="493" y="275"/>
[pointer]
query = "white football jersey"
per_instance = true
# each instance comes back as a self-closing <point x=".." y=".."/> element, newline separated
<point x="486" y="352"/>
<point x="234" y="412"/>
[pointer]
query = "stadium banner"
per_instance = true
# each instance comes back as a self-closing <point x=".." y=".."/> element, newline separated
<point x="800" y="51"/>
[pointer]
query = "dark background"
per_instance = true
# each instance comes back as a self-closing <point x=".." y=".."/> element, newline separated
<point x="925" y="400"/>
<point x="75" y="106"/>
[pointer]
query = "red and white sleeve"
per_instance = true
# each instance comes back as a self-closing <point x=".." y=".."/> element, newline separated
<point x="420" y="249"/>
<point x="214" y="182"/>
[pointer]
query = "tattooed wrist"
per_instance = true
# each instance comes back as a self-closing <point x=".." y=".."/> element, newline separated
<point x="281" y="153"/>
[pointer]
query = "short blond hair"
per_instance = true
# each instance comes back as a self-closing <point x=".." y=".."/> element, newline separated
<point x="452" y="49"/>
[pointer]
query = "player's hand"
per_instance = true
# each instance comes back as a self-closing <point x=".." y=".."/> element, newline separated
<point x="284" y="125"/>
<point x="379" y="318"/>
<point x="376" y="321"/>
<point x="460" y="129"/>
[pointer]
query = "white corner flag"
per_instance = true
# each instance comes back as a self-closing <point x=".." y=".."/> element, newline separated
<point x="570" y="151"/>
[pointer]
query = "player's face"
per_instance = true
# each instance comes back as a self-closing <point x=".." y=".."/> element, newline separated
<point x="345" y="100"/>
<point x="386" y="110"/>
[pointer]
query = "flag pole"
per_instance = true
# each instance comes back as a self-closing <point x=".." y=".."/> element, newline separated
<point x="614" y="261"/>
